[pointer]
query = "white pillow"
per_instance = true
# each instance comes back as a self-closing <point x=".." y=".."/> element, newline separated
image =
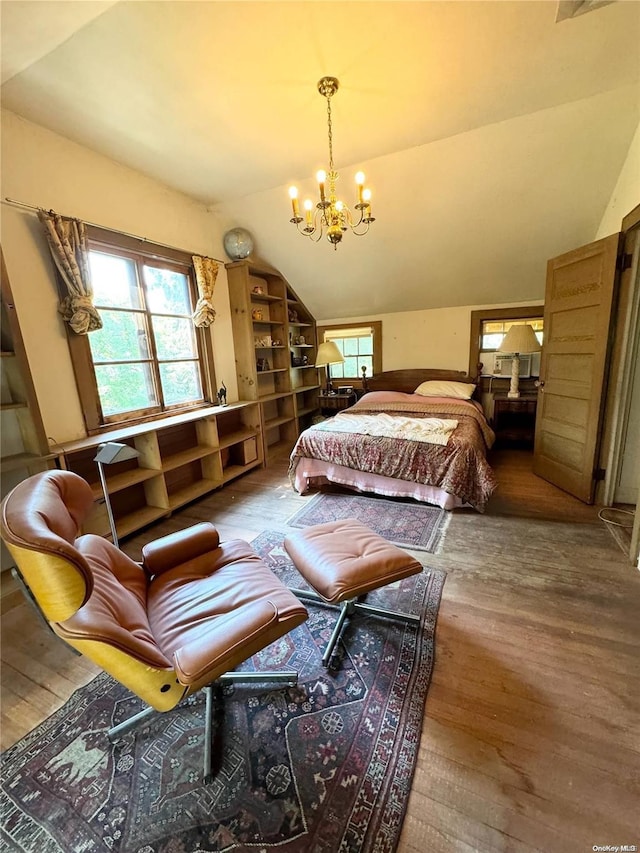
<point x="443" y="388"/>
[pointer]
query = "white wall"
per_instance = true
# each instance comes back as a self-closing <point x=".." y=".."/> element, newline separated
<point x="46" y="170"/>
<point x="435" y="338"/>
<point x="626" y="194"/>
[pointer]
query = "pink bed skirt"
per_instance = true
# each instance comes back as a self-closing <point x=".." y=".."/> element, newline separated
<point x="313" y="472"/>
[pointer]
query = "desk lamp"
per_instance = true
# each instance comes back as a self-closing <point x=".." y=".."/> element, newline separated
<point x="107" y="454"/>
<point x="328" y="354"/>
<point x="519" y="339"/>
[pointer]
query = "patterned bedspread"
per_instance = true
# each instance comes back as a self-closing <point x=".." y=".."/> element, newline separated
<point x="460" y="467"/>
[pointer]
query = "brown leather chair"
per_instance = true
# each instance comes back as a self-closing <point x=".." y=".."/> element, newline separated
<point x="184" y="618"/>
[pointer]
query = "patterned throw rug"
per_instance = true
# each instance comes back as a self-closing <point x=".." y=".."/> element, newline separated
<point x="322" y="767"/>
<point x="410" y="525"/>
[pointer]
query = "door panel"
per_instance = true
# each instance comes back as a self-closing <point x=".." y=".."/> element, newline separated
<point x="577" y="317"/>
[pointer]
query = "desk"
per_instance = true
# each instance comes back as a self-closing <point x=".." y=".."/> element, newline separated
<point x="335" y="402"/>
<point x="514" y="420"/>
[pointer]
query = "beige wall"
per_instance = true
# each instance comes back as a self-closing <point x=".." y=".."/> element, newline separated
<point x="436" y="338"/>
<point x="49" y="171"/>
<point x="626" y="194"/>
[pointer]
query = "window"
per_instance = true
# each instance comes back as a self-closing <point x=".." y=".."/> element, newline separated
<point x="489" y="326"/>
<point x="492" y="332"/>
<point x="148" y="358"/>
<point x="360" y="346"/>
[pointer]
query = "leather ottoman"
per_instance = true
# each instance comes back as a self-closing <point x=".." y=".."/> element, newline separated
<point x="343" y="560"/>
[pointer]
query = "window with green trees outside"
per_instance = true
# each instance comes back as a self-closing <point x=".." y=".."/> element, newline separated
<point x="146" y="356"/>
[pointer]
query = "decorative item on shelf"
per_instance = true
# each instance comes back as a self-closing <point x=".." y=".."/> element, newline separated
<point x="258" y="290"/>
<point x="238" y="244"/>
<point x="300" y="341"/>
<point x="222" y="395"/>
<point x="299" y="360"/>
<point x="275" y="342"/>
<point x="262" y="364"/>
<point x="262" y="343"/>
<point x="293" y="315"/>
<point x="328" y="354"/>
<point x="331" y="213"/>
<point x="108" y="454"/>
<point x="519" y="339"/>
<point x="257" y="314"/>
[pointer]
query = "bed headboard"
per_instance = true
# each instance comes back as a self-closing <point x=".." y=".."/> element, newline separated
<point x="408" y="380"/>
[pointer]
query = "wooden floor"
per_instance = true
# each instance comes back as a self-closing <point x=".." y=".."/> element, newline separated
<point x="531" y="734"/>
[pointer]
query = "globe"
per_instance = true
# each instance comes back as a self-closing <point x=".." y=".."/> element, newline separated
<point x="238" y="243"/>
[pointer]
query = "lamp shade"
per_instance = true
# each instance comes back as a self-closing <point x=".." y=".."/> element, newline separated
<point x="328" y="353"/>
<point x="519" y="339"/>
<point x="113" y="451"/>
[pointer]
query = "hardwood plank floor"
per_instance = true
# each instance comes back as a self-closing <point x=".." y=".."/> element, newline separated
<point x="531" y="733"/>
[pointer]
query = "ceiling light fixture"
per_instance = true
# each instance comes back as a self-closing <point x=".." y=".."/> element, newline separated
<point x="332" y="215"/>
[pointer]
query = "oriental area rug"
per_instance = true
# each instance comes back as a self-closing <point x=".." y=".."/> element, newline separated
<point x="410" y="525"/>
<point x="322" y="767"/>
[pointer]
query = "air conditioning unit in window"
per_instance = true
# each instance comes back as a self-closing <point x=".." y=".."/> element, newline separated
<point x="529" y="364"/>
<point x="503" y="364"/>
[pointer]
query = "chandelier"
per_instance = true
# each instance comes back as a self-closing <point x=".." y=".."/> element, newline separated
<point x="332" y="216"/>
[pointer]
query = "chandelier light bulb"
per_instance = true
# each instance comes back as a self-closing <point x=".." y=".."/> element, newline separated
<point x="366" y="195"/>
<point x="339" y="206"/>
<point x="321" y="177"/>
<point x="293" y="195"/>
<point x="308" y="206"/>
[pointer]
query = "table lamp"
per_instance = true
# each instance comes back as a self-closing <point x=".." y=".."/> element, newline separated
<point x="328" y="354"/>
<point x="519" y="339"/>
<point x="108" y="453"/>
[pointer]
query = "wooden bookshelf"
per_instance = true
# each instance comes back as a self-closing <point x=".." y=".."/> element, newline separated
<point x="268" y="323"/>
<point x="180" y="459"/>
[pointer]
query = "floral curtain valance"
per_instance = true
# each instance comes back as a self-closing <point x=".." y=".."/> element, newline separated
<point x="206" y="270"/>
<point x="67" y="240"/>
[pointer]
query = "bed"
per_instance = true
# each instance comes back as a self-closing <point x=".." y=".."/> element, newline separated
<point x="430" y="446"/>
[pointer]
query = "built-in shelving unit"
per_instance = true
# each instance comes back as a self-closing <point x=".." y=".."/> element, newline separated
<point x="180" y="458"/>
<point x="23" y="443"/>
<point x="275" y="347"/>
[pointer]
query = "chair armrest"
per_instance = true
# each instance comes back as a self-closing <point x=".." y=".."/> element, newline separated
<point x="170" y="551"/>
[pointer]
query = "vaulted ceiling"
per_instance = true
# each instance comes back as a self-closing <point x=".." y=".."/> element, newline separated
<point x="491" y="134"/>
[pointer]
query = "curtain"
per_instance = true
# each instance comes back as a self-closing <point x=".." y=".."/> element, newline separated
<point x="67" y="240"/>
<point x="206" y="273"/>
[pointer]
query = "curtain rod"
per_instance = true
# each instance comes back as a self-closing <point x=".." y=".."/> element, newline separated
<point x="12" y="201"/>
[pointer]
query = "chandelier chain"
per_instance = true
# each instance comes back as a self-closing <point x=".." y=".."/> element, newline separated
<point x="330" y="134"/>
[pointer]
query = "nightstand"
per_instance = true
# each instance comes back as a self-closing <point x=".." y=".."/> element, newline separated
<point x="330" y="403"/>
<point x="514" y="420"/>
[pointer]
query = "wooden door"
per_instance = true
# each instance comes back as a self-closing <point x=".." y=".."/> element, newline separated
<point x="577" y="320"/>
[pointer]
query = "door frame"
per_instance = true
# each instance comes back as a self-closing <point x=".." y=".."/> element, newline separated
<point x="622" y="391"/>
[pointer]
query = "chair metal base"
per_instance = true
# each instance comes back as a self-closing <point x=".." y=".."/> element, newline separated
<point x="287" y="676"/>
<point x="347" y="609"/>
